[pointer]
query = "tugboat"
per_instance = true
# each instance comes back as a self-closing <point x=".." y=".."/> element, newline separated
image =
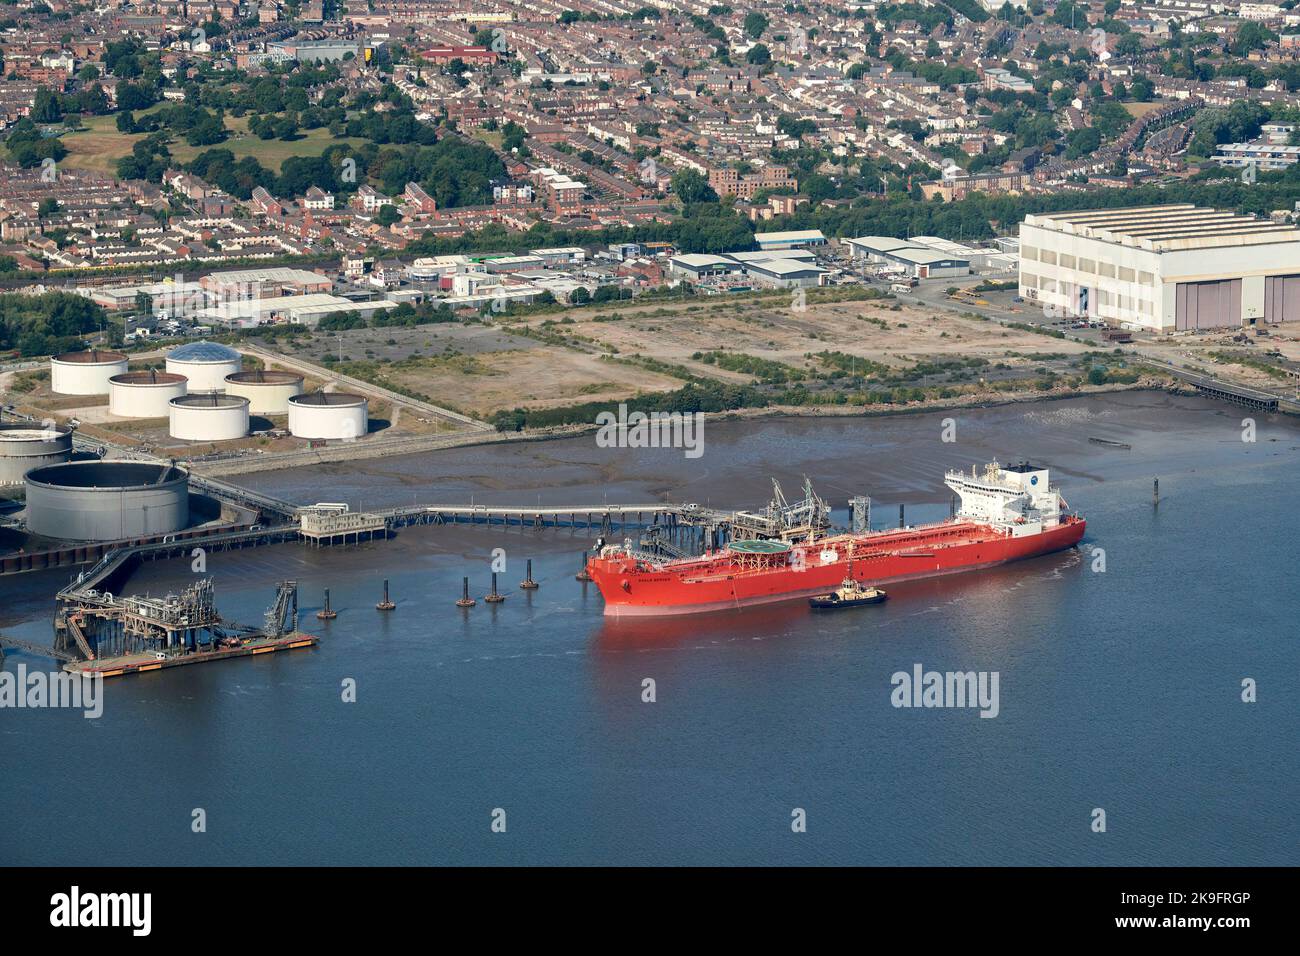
<point x="850" y="593"/>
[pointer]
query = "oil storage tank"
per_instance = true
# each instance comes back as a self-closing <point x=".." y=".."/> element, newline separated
<point x="106" y="500"/>
<point x="268" y="392"/>
<point x="328" y="415"/>
<point x="205" y="364"/>
<point x="24" y="447"/>
<point x="209" y="416"/>
<point x="85" y="373"/>
<point x="144" y="394"/>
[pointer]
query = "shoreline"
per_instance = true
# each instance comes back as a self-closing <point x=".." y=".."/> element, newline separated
<point x="415" y="446"/>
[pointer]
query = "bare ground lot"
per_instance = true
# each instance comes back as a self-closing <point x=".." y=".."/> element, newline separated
<point x="580" y="355"/>
<point x="772" y="329"/>
<point x="537" y="377"/>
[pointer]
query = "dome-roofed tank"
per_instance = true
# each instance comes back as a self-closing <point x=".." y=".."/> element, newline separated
<point x="205" y="364"/>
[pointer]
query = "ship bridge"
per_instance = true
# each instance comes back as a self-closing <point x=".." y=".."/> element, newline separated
<point x="1018" y="498"/>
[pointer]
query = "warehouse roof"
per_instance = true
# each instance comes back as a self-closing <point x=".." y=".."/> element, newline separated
<point x="785" y="268"/>
<point x="880" y="243"/>
<point x="1167" y="228"/>
<point x="797" y="235"/>
<point x="693" y="261"/>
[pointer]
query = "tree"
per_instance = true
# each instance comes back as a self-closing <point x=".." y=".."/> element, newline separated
<point x="48" y="108"/>
<point x="759" y="54"/>
<point x="691" y="186"/>
<point x="207" y="132"/>
<point x="387" y="215"/>
<point x="1251" y="35"/>
<point x="755" y="24"/>
<point x="1130" y="44"/>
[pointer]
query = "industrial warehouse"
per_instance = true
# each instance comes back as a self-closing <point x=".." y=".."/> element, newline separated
<point x="787" y="269"/>
<point x="1176" y="268"/>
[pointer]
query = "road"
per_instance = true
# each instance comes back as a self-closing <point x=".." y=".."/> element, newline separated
<point x="1160" y="352"/>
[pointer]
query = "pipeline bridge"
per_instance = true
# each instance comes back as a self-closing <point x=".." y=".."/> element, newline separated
<point x="1242" y="395"/>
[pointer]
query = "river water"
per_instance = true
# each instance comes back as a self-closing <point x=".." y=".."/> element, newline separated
<point x="1119" y="689"/>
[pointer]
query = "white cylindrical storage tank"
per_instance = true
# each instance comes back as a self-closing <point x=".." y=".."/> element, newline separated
<point x="328" y="415"/>
<point x="85" y="373"/>
<point x="268" y="392"/>
<point x="205" y="364"/>
<point x="144" y="394"/>
<point x="24" y="447"/>
<point x="209" y="417"/>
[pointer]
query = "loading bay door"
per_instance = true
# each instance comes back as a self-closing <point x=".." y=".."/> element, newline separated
<point x="1209" y="305"/>
<point x="1281" y="298"/>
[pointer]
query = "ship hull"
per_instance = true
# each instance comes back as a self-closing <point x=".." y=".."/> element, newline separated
<point x="722" y="584"/>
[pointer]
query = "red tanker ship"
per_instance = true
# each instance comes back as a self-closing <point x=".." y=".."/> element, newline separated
<point x="1006" y="514"/>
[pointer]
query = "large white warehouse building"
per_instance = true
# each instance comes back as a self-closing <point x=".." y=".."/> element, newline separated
<point x="1164" y="268"/>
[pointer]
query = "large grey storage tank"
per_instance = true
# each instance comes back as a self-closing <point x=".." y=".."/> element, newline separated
<point x="106" y="500"/>
<point x="24" y="447"/>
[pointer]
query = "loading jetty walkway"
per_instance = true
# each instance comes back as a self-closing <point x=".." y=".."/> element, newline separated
<point x="275" y="521"/>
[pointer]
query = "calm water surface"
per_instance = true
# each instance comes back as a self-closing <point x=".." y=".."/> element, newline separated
<point x="1118" y="690"/>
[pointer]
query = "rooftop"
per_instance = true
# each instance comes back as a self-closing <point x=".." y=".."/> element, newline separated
<point x="1167" y="228"/>
<point x="203" y="352"/>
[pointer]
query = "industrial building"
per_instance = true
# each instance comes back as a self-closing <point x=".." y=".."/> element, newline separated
<point x="784" y="269"/>
<point x="169" y="299"/>
<point x="697" y="267"/>
<point x="1164" y="268"/>
<point x="209" y="416"/>
<point x="796" y="239"/>
<point x="205" y="364"/>
<point x="305" y="310"/>
<point x="144" y="394"/>
<point x="85" y="373"/>
<point x="268" y="392"/>
<point x="266" y="283"/>
<point x="1264" y="157"/>
<point x="328" y="415"/>
<point x="106" y="500"/>
<point x="507" y="264"/>
<point x="560" y="256"/>
<point x="912" y="256"/>
<point x="24" y="447"/>
<point x="784" y="273"/>
<point x="327" y="50"/>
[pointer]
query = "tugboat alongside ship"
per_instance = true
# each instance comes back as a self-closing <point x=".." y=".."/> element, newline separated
<point x="1005" y="514"/>
<point x="850" y="593"/>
